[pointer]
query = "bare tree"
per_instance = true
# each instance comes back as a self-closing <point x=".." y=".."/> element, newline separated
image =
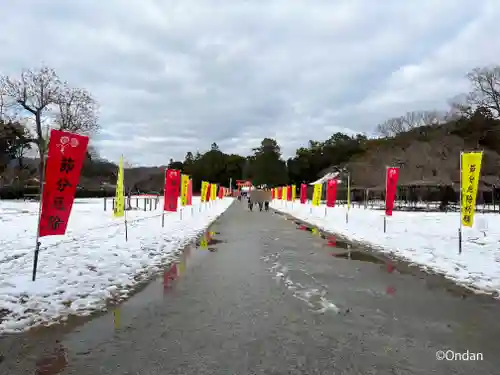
<point x="33" y="95"/>
<point x="485" y="89"/>
<point x="412" y="120"/>
<point x="433" y="117"/>
<point x="77" y="111"/>
<point x="461" y="106"/>
<point x="409" y="121"/>
<point x="39" y="95"/>
<point x="392" y="127"/>
<point x="383" y="130"/>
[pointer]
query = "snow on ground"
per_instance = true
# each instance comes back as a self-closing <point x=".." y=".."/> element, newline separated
<point x="92" y="263"/>
<point x="429" y="239"/>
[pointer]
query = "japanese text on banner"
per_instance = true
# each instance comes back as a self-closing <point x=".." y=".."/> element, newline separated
<point x="471" y="168"/>
<point x="318" y="189"/>
<point x="119" y="209"/>
<point x="391" y="188"/>
<point x="62" y="173"/>
<point x="284" y="192"/>
<point x="184" y="189"/>
<point x="294" y="193"/>
<point x="203" y="193"/>
<point x="172" y="187"/>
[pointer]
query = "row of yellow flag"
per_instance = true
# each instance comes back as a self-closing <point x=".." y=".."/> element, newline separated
<point x="470" y="172"/>
<point x="208" y="191"/>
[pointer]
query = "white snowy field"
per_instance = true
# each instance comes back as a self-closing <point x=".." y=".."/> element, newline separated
<point x="92" y="262"/>
<point x="428" y="239"/>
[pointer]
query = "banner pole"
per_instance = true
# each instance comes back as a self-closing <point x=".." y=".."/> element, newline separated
<point x="125" y="220"/>
<point x="40" y="198"/>
<point x="124" y="207"/>
<point x="385" y="213"/>
<point x="460" y="208"/>
<point x="348" y="197"/>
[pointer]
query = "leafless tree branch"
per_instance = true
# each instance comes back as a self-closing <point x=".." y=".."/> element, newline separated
<point x="41" y="94"/>
<point x="485" y="88"/>
<point x="77" y="111"/>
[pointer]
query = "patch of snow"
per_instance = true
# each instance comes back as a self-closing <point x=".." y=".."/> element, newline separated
<point x="314" y="298"/>
<point x="429" y="239"/>
<point x="92" y="263"/>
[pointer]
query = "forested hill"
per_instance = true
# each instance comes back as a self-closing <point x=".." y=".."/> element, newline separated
<point x="429" y="152"/>
<point x="425" y="144"/>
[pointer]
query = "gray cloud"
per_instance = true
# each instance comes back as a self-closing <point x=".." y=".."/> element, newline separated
<point x="175" y="76"/>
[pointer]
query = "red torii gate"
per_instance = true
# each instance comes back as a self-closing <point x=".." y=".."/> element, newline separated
<point x="243" y="183"/>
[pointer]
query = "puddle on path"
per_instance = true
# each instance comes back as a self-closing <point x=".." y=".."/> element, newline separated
<point x="333" y="241"/>
<point x="141" y="294"/>
<point x="208" y="242"/>
<point x="360" y="256"/>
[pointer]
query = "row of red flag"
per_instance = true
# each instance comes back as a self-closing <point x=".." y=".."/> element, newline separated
<point x="65" y="157"/>
<point x="180" y="185"/>
<point x="288" y="193"/>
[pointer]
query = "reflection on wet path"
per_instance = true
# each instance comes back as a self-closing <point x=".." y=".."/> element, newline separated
<point x="52" y="364"/>
<point x="85" y="335"/>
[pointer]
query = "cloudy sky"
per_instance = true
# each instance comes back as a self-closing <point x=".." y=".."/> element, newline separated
<point x="175" y="76"/>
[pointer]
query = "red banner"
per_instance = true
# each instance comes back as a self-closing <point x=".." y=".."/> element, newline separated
<point x="303" y="193"/>
<point x="331" y="193"/>
<point x="273" y="195"/>
<point x="289" y="193"/>
<point x="207" y="194"/>
<point x="280" y="192"/>
<point x="190" y="193"/>
<point x="221" y="192"/>
<point x="172" y="190"/>
<point x="65" y="158"/>
<point x="391" y="188"/>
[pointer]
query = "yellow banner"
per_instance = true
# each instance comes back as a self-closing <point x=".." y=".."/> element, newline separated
<point x="284" y="192"/>
<point x="318" y="189"/>
<point x="184" y="189"/>
<point x="294" y="192"/>
<point x="471" y="168"/>
<point x="204" y="186"/>
<point x="119" y="210"/>
<point x="213" y="192"/>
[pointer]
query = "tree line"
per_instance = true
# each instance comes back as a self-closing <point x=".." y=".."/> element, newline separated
<point x="37" y="99"/>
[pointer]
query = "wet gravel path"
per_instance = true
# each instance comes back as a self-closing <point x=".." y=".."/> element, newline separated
<point x="271" y="300"/>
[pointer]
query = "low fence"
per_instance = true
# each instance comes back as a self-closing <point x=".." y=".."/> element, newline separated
<point x="32" y="193"/>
